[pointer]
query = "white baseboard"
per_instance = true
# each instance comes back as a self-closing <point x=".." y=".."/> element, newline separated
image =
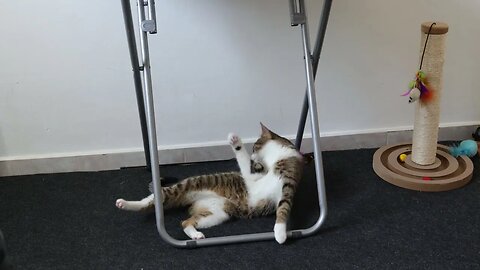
<point x="209" y="152"/>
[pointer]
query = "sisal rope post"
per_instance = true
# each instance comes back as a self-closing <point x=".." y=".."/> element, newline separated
<point x="427" y="114"/>
<point x="428" y="166"/>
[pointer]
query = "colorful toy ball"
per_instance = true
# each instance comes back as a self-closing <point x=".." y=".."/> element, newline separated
<point x="465" y="148"/>
<point x="402" y="157"/>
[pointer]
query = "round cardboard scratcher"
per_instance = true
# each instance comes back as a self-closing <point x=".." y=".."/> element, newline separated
<point x="446" y="173"/>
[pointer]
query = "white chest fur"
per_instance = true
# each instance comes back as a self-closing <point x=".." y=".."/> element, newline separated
<point x="268" y="188"/>
<point x="274" y="151"/>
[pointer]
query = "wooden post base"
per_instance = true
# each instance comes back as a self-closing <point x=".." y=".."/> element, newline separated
<point x="446" y="173"/>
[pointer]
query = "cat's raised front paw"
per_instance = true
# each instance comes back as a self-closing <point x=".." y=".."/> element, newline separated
<point x="280" y="231"/>
<point x="120" y="203"/>
<point x="235" y="141"/>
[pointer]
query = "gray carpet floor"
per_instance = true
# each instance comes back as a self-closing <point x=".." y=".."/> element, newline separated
<point x="69" y="221"/>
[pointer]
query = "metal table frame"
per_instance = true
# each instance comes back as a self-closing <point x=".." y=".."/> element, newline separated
<point x="144" y="92"/>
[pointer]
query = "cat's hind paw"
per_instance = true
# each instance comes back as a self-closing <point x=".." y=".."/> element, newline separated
<point x="235" y="141"/>
<point x="120" y="203"/>
<point x="280" y="231"/>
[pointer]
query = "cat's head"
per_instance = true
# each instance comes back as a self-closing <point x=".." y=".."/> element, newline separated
<point x="269" y="136"/>
<point x="268" y="148"/>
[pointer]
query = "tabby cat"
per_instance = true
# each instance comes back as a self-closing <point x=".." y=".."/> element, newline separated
<point x="266" y="184"/>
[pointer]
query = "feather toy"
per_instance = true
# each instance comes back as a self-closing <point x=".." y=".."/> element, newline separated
<point x="419" y="89"/>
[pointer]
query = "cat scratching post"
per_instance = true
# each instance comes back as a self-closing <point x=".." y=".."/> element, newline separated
<point x="427" y="114"/>
<point x="428" y="166"/>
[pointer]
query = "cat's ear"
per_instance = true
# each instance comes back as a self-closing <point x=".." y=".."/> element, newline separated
<point x="266" y="133"/>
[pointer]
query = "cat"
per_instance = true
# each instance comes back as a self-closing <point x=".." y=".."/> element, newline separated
<point x="266" y="184"/>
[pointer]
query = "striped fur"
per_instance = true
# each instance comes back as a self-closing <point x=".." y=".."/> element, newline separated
<point x="228" y="185"/>
<point x="290" y="172"/>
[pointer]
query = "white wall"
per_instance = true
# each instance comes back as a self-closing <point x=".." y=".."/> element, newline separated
<point x="218" y="65"/>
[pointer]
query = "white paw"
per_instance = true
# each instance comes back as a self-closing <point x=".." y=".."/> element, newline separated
<point x="193" y="233"/>
<point x="280" y="230"/>
<point x="120" y="203"/>
<point x="197" y="235"/>
<point x="234" y="141"/>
